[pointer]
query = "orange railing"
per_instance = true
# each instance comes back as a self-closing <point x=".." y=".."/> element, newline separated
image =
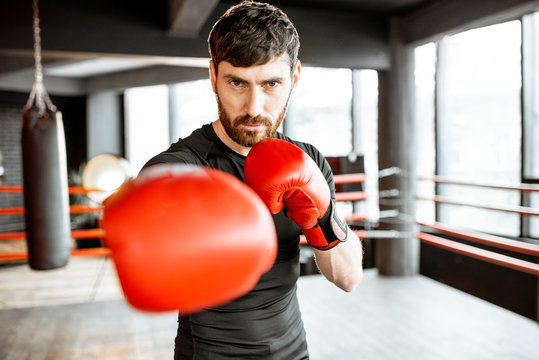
<point x="435" y="240"/>
<point x="485" y="239"/>
<point x="23" y="256"/>
<point x="485" y="255"/>
<point x="481" y="238"/>
<point x="77" y="234"/>
<point x="100" y="233"/>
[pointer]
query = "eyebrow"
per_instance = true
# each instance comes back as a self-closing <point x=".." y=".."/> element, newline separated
<point x="237" y="78"/>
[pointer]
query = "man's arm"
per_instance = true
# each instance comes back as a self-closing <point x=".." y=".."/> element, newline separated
<point x="284" y="175"/>
<point x="342" y="264"/>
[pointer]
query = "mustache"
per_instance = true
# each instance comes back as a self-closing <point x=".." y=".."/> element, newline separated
<point x="249" y="120"/>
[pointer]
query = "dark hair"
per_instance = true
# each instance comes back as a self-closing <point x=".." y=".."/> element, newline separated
<point x="253" y="33"/>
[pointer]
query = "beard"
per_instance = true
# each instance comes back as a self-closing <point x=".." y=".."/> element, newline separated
<point x="249" y="138"/>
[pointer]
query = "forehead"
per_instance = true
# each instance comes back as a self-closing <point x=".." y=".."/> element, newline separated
<point x="277" y="67"/>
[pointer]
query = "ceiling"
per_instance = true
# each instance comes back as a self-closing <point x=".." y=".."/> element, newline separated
<point x="384" y="7"/>
<point x="96" y="45"/>
<point x="90" y="39"/>
<point x="70" y="57"/>
<point x="184" y="18"/>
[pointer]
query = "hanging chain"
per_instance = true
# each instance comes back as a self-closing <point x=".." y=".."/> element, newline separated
<point x="38" y="90"/>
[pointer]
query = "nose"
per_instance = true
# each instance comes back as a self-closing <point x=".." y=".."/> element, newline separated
<point x="254" y="102"/>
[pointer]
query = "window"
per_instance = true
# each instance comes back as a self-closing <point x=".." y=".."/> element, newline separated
<point x="365" y="137"/>
<point x="479" y="123"/>
<point x="146" y="112"/>
<point x="531" y="116"/>
<point x="425" y="83"/>
<point x="320" y="110"/>
<point x="192" y="104"/>
<point x="531" y="96"/>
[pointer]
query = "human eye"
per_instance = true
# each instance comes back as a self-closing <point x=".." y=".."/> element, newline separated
<point x="236" y="84"/>
<point x="272" y="84"/>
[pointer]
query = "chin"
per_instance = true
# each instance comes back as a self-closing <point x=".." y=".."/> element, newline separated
<point x="250" y="140"/>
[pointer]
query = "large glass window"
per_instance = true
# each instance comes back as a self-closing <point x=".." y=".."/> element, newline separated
<point x="192" y="104"/>
<point x="479" y="123"/>
<point x="425" y="84"/>
<point x="365" y="138"/>
<point x="531" y="96"/>
<point x="531" y="114"/>
<point x="320" y="110"/>
<point x="146" y="111"/>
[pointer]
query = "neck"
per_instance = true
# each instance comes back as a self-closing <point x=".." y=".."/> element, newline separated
<point x="223" y="136"/>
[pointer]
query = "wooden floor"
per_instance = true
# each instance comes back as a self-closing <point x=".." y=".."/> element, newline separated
<point x="78" y="313"/>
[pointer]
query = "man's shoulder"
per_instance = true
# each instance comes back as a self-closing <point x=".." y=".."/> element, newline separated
<point x="190" y="150"/>
<point x="305" y="146"/>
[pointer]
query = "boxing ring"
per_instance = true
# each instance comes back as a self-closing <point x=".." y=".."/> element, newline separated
<point x="76" y="234"/>
<point x="349" y="196"/>
<point x="385" y="318"/>
<point x="81" y="234"/>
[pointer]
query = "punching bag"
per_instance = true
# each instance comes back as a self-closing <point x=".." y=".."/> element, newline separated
<point x="46" y="199"/>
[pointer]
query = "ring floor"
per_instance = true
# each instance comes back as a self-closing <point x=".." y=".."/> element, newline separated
<point x="78" y="313"/>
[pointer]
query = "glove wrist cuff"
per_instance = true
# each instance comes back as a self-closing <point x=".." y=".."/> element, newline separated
<point x="329" y="232"/>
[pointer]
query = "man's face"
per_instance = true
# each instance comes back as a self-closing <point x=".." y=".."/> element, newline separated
<point x="252" y="101"/>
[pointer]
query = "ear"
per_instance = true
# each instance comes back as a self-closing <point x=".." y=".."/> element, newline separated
<point x="213" y="76"/>
<point x="295" y="75"/>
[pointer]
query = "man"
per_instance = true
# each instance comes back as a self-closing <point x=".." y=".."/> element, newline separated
<point x="254" y="70"/>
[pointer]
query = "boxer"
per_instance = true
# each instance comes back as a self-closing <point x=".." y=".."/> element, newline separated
<point x="254" y="69"/>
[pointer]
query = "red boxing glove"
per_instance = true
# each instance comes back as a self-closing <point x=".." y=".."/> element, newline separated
<point x="283" y="175"/>
<point x="185" y="238"/>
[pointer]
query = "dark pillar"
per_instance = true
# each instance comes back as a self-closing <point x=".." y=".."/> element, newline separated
<point x="397" y="256"/>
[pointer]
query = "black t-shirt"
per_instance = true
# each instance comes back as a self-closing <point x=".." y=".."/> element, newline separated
<point x="266" y="322"/>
